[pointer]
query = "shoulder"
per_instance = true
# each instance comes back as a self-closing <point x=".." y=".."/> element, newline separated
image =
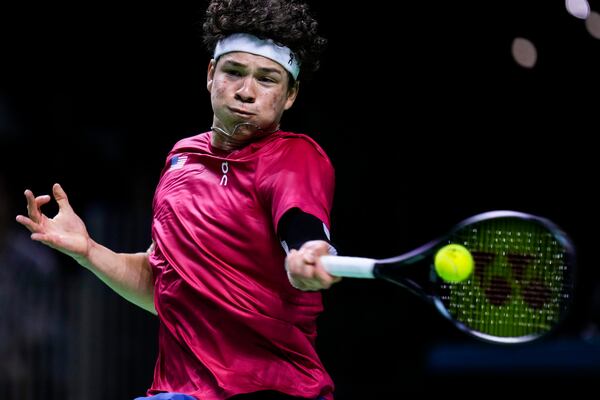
<point x="294" y="154"/>
<point x="290" y="143"/>
<point x="192" y="144"/>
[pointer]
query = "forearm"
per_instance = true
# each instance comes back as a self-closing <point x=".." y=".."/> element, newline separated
<point x="130" y="275"/>
<point x="304" y="238"/>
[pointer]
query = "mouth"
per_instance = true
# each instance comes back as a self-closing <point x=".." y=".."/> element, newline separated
<point x="241" y="112"/>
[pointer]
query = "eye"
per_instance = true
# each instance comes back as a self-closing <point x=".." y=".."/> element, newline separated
<point x="233" y="72"/>
<point x="267" y="79"/>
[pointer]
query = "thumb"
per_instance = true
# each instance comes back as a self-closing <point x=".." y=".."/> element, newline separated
<point x="61" y="197"/>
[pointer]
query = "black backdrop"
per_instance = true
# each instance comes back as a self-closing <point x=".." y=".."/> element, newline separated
<point x="421" y="107"/>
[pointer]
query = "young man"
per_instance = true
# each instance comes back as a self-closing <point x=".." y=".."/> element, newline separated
<point x="237" y="312"/>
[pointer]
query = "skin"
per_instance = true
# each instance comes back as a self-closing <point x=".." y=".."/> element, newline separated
<point x="248" y="89"/>
<point x="243" y="88"/>
<point x="130" y="275"/>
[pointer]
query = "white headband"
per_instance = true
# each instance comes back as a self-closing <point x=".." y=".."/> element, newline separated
<point x="266" y="48"/>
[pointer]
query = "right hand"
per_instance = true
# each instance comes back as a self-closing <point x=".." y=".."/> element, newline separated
<point x="66" y="232"/>
<point x="304" y="268"/>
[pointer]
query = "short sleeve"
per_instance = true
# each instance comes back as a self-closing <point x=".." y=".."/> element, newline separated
<point x="297" y="174"/>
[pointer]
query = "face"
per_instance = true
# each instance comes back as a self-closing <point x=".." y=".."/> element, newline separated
<point x="246" y="88"/>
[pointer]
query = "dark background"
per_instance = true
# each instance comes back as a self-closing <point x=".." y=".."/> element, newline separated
<point x="421" y="107"/>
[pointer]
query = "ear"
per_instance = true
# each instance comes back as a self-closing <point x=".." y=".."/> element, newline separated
<point x="291" y="95"/>
<point x="210" y="74"/>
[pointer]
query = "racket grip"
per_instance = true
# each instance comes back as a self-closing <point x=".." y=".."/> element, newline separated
<point x="351" y="267"/>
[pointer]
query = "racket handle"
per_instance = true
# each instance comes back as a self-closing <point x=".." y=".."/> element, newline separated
<point x="351" y="267"/>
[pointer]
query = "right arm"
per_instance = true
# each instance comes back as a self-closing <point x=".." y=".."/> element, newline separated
<point x="305" y="239"/>
<point x="130" y="275"/>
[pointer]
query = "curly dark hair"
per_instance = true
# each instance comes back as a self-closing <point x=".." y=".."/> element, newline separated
<point x="286" y="22"/>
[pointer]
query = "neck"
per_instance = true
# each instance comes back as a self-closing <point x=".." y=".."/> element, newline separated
<point x="228" y="141"/>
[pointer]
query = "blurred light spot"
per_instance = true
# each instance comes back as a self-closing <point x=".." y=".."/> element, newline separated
<point x="578" y="8"/>
<point x="524" y="52"/>
<point x="592" y="23"/>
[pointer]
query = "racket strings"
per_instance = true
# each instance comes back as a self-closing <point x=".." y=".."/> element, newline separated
<point x="519" y="284"/>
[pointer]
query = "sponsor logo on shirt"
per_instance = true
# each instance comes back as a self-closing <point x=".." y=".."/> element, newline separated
<point x="224" y="170"/>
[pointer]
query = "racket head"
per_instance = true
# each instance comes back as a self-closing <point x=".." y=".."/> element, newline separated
<point x="523" y="280"/>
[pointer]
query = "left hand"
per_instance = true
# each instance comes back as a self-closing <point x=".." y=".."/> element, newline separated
<point x="304" y="267"/>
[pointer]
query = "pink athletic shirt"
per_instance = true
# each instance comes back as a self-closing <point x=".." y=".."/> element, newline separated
<point x="230" y="322"/>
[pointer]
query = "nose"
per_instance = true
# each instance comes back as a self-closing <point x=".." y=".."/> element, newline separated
<point x="246" y="92"/>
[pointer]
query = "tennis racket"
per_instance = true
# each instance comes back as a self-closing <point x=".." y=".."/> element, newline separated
<point x="521" y="286"/>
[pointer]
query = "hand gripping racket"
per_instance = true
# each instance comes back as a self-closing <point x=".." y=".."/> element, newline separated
<point x="521" y="286"/>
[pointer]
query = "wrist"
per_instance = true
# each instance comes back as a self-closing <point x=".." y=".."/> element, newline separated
<point x="85" y="258"/>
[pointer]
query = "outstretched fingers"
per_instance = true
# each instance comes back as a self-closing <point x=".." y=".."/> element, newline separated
<point x="28" y="223"/>
<point x="41" y="237"/>
<point x="35" y="217"/>
<point x="33" y="209"/>
<point x="38" y="233"/>
<point x="61" y="197"/>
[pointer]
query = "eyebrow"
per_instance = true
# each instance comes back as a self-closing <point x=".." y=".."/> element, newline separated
<point x="240" y="65"/>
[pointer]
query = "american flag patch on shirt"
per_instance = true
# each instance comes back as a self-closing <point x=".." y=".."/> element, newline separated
<point x="177" y="162"/>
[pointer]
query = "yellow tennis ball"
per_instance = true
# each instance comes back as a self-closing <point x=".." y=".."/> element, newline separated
<point x="453" y="263"/>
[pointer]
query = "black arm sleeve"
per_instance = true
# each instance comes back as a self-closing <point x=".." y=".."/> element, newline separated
<point x="297" y="227"/>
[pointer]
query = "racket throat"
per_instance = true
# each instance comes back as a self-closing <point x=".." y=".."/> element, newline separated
<point x="408" y="277"/>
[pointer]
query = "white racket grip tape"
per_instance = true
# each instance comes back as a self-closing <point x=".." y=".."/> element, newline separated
<point x="350" y="267"/>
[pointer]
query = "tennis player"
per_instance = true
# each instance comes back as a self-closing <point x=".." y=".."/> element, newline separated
<point x="241" y="214"/>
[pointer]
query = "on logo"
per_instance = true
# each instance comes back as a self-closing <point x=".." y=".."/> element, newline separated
<point x="224" y="169"/>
